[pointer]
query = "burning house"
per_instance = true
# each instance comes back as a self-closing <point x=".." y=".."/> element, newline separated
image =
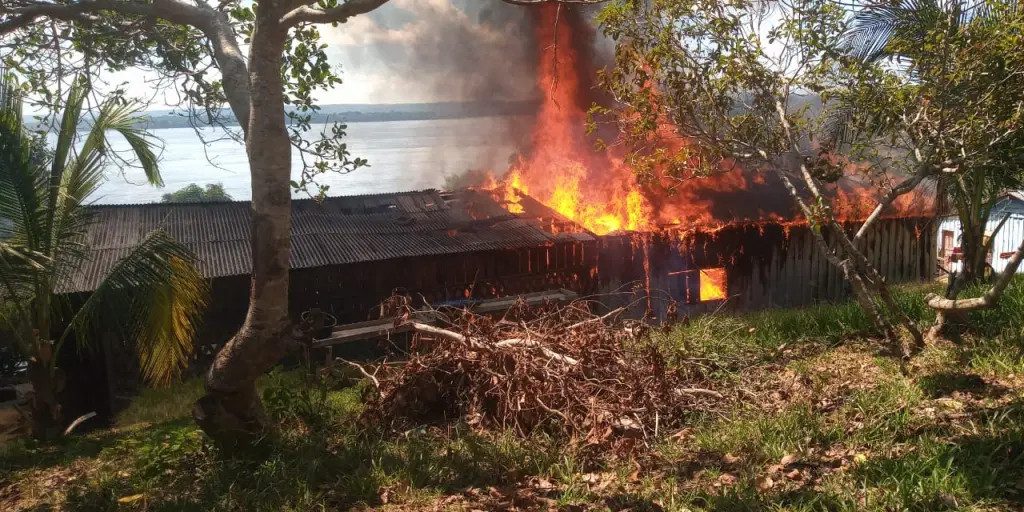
<point x="687" y="240"/>
<point x="564" y="216"/>
<point x="348" y="255"/>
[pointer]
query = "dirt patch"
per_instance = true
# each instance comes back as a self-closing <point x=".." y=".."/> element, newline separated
<point x="823" y="380"/>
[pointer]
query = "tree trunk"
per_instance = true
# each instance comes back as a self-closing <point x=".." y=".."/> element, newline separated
<point x="865" y="281"/>
<point x="973" y="246"/>
<point x="46" y="384"/>
<point x="231" y="412"/>
<point x="951" y="313"/>
<point x="949" y="326"/>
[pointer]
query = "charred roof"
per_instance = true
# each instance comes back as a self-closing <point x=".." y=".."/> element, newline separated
<point x="335" y="231"/>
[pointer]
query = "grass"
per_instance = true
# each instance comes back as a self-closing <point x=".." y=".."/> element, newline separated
<point x="161" y="404"/>
<point x="829" y="424"/>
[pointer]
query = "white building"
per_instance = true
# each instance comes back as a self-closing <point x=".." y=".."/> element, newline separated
<point x="1007" y="239"/>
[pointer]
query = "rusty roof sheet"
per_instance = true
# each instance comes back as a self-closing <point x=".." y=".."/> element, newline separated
<point x="336" y="231"/>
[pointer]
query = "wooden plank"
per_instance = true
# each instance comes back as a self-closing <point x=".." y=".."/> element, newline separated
<point x="826" y="274"/>
<point x="909" y="256"/>
<point x="785" y="275"/>
<point x="889" y="250"/>
<point x="807" y="271"/>
<point x="795" y="269"/>
<point x="880" y="240"/>
<point x="900" y="258"/>
<point x="815" y="278"/>
<point x="895" y="252"/>
<point x="797" y="282"/>
<point x="884" y="249"/>
<point x="382" y="327"/>
<point x="830" y="284"/>
<point x="775" y="288"/>
<point x="882" y="257"/>
<point x="926" y="263"/>
<point x="837" y="282"/>
<point x="769" y="278"/>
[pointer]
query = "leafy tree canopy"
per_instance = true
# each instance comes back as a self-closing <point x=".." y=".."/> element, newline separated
<point x="192" y="193"/>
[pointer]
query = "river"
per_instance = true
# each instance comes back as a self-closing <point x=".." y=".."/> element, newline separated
<point x="403" y="156"/>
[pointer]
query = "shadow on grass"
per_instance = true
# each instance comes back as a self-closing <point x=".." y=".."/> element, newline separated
<point x="27" y="454"/>
<point x="332" y="469"/>
<point x="748" y="497"/>
<point x="629" y="502"/>
<point x="942" y="384"/>
<point x="945" y="471"/>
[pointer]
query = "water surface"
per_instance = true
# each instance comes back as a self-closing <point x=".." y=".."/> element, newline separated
<point x="403" y="155"/>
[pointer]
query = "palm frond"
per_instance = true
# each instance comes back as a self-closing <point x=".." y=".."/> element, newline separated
<point x="19" y="269"/>
<point x="85" y="173"/>
<point x="878" y="30"/>
<point x="70" y="222"/>
<point x="67" y="133"/>
<point x="17" y="263"/>
<point x="22" y="176"/>
<point x="124" y="118"/>
<point x="153" y="297"/>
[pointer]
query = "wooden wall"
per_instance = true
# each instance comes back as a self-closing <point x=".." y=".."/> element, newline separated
<point x="767" y="265"/>
<point x="352" y="292"/>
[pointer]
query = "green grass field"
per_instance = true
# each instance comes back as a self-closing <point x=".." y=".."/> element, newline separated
<point x="827" y="423"/>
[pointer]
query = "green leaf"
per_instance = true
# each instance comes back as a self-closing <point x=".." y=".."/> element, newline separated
<point x="154" y="297"/>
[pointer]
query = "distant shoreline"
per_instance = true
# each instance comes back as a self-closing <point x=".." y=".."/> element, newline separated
<point x="366" y="113"/>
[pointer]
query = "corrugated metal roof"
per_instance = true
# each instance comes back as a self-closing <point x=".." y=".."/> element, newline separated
<point x="336" y="231"/>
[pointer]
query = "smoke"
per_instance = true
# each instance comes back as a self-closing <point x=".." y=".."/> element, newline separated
<point x="439" y="50"/>
<point x="471" y="51"/>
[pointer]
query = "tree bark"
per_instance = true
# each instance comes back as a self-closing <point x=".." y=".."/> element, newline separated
<point x="972" y="268"/>
<point x="46" y="384"/>
<point x="864" y="279"/>
<point x="231" y="412"/>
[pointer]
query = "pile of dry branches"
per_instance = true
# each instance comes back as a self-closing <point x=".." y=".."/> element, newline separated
<point x="562" y="370"/>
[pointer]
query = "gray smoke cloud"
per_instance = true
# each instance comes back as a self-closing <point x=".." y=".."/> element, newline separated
<point x="438" y="50"/>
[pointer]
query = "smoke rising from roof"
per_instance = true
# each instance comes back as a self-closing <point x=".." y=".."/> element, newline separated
<point x="438" y="50"/>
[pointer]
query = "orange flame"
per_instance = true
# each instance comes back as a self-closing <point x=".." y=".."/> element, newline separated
<point x="563" y="171"/>
<point x="598" y="190"/>
<point x="712" y="284"/>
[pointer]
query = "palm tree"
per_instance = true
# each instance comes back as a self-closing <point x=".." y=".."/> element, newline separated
<point x="152" y="297"/>
<point x="904" y="32"/>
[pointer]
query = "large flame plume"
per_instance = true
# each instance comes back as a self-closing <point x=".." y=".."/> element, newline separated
<point x="597" y="189"/>
<point x="563" y="170"/>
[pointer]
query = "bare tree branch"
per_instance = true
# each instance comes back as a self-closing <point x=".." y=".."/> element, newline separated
<point x="339" y="14"/>
<point x="214" y="24"/>
<point x="903" y="188"/>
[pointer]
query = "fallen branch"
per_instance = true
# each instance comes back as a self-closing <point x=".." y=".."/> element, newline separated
<point x="700" y="392"/>
<point x="596" y="319"/>
<point x="437" y="331"/>
<point x="368" y="375"/>
<point x="516" y="342"/>
<point x="78" y="421"/>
